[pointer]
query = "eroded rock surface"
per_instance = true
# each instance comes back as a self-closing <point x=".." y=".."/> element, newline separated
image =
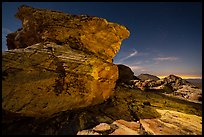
<point x="125" y="108"/>
<point x="118" y="127"/>
<point x="81" y="32"/>
<point x="173" y="123"/>
<point x="170" y="123"/>
<point x="59" y="62"/>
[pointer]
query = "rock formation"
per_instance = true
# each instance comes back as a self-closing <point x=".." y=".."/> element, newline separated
<point x="125" y="74"/>
<point x="173" y="123"/>
<point x="144" y="77"/>
<point x="59" y="62"/>
<point x="171" y="85"/>
<point x="170" y="123"/>
<point x="118" y="127"/>
<point x="83" y="32"/>
<point x="127" y="111"/>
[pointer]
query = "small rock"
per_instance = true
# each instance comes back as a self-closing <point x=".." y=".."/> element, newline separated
<point x="88" y="132"/>
<point x="102" y="127"/>
<point x="126" y="128"/>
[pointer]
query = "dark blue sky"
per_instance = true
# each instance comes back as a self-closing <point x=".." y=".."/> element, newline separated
<point x="166" y="38"/>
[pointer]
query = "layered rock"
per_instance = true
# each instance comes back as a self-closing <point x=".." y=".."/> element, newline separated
<point x="170" y="123"/>
<point x="173" y="123"/>
<point x="59" y="62"/>
<point x="121" y="112"/>
<point x="81" y="32"/>
<point x="118" y="127"/>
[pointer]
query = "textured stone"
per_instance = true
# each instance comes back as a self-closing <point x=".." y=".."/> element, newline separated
<point x="39" y="82"/>
<point x="81" y="32"/>
<point x="118" y="127"/>
<point x="102" y="127"/>
<point x="173" y="123"/>
<point x="59" y="62"/>
<point x="88" y="132"/>
<point x="126" y="128"/>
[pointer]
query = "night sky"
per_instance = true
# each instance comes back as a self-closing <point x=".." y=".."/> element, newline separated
<point x="165" y="38"/>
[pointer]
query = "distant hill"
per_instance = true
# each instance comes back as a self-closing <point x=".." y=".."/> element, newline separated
<point x="196" y="82"/>
<point x="144" y="77"/>
<point x="171" y="85"/>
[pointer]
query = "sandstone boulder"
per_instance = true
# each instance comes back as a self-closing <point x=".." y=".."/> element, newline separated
<point x="81" y="32"/>
<point x="59" y="62"/>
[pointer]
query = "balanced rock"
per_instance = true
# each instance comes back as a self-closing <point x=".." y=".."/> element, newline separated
<point x="59" y="62"/>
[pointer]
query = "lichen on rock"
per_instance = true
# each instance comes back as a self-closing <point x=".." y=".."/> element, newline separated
<point x="58" y="62"/>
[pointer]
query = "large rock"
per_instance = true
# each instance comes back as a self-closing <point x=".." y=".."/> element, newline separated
<point x="81" y="32"/>
<point x="59" y="62"/>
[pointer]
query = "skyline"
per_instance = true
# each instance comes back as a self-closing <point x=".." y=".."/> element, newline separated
<point x="165" y="38"/>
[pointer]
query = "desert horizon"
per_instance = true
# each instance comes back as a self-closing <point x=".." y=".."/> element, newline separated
<point x="183" y="76"/>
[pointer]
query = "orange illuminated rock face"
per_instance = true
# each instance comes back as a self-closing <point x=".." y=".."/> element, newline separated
<point x="59" y="62"/>
<point x="80" y="32"/>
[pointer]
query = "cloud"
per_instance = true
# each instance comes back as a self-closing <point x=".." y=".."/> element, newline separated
<point x="129" y="56"/>
<point x="137" y="68"/>
<point x="166" y="59"/>
<point x="137" y="63"/>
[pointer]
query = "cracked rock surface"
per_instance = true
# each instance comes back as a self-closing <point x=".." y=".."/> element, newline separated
<point x="59" y="62"/>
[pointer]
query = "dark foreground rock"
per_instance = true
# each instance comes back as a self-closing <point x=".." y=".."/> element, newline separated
<point x="125" y="74"/>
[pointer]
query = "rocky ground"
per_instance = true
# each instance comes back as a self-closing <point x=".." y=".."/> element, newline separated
<point x="170" y="123"/>
<point x="128" y="111"/>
